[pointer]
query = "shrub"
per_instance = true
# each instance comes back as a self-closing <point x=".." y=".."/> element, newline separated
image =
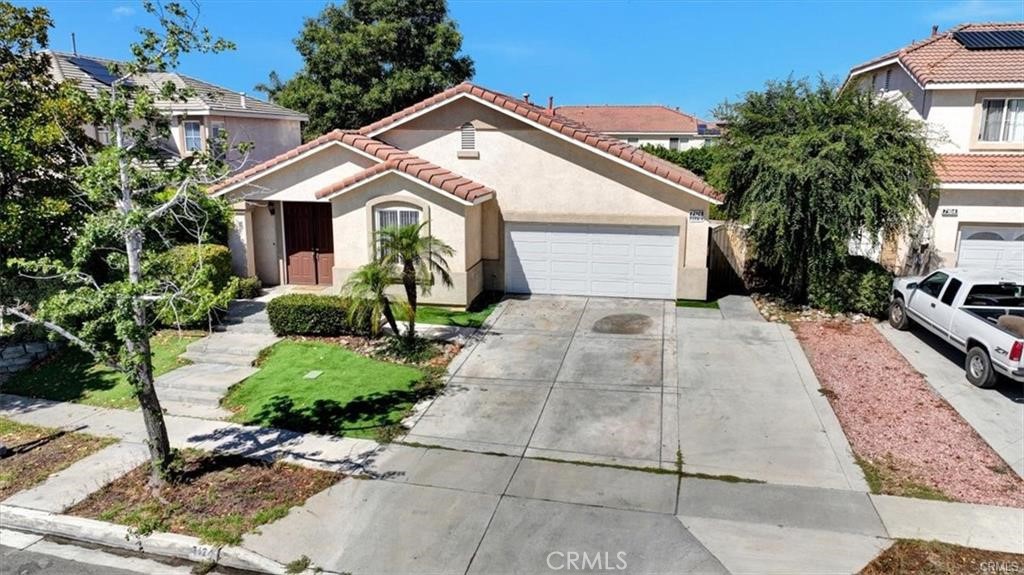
<point x="203" y="273"/>
<point x="309" y="314"/>
<point x="247" y="288"/>
<point x="862" y="286"/>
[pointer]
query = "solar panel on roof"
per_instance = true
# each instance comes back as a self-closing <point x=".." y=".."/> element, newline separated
<point x="97" y="70"/>
<point x="991" y="39"/>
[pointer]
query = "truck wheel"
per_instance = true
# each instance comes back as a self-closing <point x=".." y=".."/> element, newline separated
<point x="979" y="368"/>
<point x="898" y="315"/>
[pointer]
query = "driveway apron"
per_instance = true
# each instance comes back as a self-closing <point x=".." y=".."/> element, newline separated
<point x="568" y="378"/>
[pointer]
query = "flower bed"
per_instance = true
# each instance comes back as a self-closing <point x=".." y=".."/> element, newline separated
<point x="909" y="440"/>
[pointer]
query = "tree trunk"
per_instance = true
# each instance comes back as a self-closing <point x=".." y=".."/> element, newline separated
<point x="138" y="347"/>
<point x="390" y="317"/>
<point x="409" y="280"/>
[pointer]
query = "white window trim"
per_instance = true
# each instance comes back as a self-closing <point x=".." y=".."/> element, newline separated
<point x="185" y="137"/>
<point x="1002" y="123"/>
<point x="398" y="210"/>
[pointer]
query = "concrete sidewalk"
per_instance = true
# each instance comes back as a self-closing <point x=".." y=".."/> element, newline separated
<point x="444" y="511"/>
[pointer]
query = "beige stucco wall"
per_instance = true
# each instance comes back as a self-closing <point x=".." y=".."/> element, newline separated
<point x="300" y="180"/>
<point x="973" y="207"/>
<point x="539" y="177"/>
<point x="269" y="136"/>
<point x="454" y="223"/>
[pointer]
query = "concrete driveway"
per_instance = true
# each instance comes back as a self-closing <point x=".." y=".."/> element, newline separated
<point x="568" y="378"/>
<point x="997" y="414"/>
<point x="749" y="403"/>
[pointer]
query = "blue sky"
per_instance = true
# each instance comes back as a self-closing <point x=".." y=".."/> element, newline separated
<point x="687" y="54"/>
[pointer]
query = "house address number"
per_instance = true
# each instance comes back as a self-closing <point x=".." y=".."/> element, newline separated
<point x="950" y="212"/>
<point x="696" y="215"/>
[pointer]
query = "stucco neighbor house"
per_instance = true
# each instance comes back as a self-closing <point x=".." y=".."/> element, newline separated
<point x="532" y="202"/>
<point x="645" y="124"/>
<point x="195" y="122"/>
<point x="968" y="85"/>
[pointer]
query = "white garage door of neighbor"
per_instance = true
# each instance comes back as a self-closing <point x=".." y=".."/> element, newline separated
<point x="597" y="260"/>
<point x="990" y="247"/>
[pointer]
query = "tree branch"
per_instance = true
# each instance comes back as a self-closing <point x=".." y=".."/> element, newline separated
<point x="65" y="334"/>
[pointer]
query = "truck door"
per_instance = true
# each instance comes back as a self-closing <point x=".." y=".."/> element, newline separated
<point x="925" y="306"/>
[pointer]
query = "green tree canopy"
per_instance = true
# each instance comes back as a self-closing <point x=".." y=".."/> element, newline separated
<point x="809" y="167"/>
<point x="40" y="140"/>
<point x="366" y="59"/>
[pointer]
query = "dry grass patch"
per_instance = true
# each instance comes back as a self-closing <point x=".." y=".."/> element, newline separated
<point x="40" y="452"/>
<point x="908" y="557"/>
<point x="217" y="498"/>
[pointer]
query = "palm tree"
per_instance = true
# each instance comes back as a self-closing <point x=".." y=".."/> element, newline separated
<point x="420" y="259"/>
<point x="367" y="290"/>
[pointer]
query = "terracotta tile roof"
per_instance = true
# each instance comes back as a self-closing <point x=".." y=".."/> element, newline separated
<point x="402" y="161"/>
<point x="391" y="158"/>
<point x="565" y="126"/>
<point x="981" y="168"/>
<point x="941" y="59"/>
<point x="614" y="119"/>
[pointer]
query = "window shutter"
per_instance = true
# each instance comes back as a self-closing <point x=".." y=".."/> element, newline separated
<point x="468" y="136"/>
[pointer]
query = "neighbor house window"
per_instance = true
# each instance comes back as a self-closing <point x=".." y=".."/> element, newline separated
<point x="673" y="143"/>
<point x="468" y="136"/>
<point x="103" y="135"/>
<point x="1002" y="120"/>
<point x="217" y="134"/>
<point x="193" y="140"/>
<point x="632" y="141"/>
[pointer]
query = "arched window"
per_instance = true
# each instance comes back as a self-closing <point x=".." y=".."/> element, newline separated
<point x="468" y="136"/>
<point x="985" y="236"/>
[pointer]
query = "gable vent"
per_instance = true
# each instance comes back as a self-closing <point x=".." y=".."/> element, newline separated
<point x="468" y="136"/>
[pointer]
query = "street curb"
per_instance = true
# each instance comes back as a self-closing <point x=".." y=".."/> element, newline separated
<point x="121" y="537"/>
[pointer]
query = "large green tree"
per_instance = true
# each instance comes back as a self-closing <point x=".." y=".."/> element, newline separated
<point x="810" y="166"/>
<point x="40" y="143"/>
<point x="365" y="59"/>
<point x="106" y="289"/>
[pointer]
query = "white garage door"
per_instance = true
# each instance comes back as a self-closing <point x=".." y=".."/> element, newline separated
<point x="989" y="247"/>
<point x="616" y="261"/>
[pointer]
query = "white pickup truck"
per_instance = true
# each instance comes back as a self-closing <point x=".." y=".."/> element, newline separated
<point x="980" y="312"/>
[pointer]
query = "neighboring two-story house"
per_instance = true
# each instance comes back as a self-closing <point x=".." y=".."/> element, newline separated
<point x="638" y="125"/>
<point x="967" y="84"/>
<point x="195" y="122"/>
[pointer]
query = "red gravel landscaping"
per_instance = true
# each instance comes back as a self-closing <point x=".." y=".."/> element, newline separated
<point x="911" y="442"/>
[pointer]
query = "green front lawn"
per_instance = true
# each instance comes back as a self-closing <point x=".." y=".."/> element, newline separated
<point x="699" y="303"/>
<point x="430" y="314"/>
<point x="354" y="396"/>
<point x="73" y="375"/>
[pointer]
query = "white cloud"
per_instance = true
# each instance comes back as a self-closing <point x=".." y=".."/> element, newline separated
<point x="122" y="11"/>
<point x="977" y="11"/>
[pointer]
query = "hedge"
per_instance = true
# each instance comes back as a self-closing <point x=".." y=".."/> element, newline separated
<point x="862" y="286"/>
<point x="206" y="270"/>
<point x="309" y="314"/>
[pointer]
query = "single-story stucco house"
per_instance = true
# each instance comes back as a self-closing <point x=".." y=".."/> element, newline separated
<point x="532" y="202"/>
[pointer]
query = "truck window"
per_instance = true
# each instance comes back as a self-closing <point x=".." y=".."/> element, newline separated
<point x="932" y="284"/>
<point x="951" y="290"/>
<point x="996" y="295"/>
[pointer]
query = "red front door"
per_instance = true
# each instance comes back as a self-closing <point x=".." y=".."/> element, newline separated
<point x="309" y="243"/>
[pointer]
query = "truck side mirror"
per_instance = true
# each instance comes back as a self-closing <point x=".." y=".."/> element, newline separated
<point x="912" y="285"/>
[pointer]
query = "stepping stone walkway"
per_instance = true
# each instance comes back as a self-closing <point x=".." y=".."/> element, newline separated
<point x="219" y="361"/>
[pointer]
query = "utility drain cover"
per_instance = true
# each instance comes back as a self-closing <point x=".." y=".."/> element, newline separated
<point x="623" y="323"/>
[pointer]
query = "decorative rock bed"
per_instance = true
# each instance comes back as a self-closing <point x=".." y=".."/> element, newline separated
<point x="15" y="357"/>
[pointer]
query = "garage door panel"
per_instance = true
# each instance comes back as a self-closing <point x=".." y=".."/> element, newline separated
<point x="616" y="261"/>
<point x="991" y="247"/>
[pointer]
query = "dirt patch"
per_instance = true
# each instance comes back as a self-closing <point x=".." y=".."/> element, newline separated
<point x="909" y="440"/>
<point x="624" y="324"/>
<point x="934" y="558"/>
<point x="379" y="348"/>
<point x="40" y="452"/>
<point x="217" y="497"/>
